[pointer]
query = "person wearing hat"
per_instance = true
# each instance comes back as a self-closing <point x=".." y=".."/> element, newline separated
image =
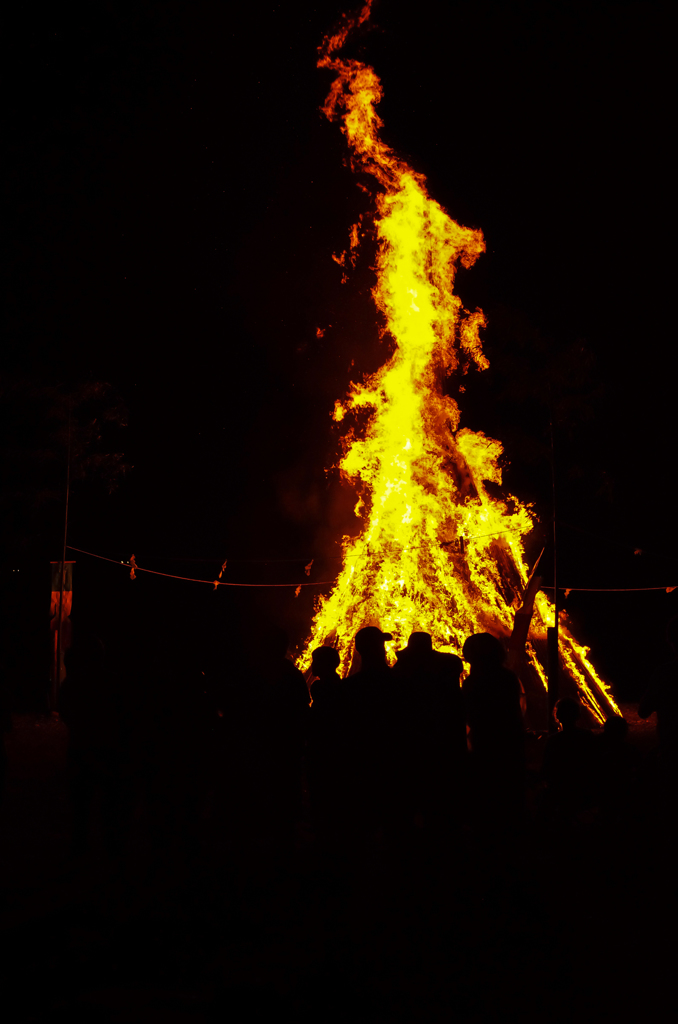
<point x="369" y="643"/>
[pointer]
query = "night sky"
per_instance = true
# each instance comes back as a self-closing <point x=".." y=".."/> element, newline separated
<point x="174" y="197"/>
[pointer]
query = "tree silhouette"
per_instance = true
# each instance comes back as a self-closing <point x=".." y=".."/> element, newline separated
<point x="42" y="425"/>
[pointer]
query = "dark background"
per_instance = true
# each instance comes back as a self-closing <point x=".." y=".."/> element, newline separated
<point x="173" y="200"/>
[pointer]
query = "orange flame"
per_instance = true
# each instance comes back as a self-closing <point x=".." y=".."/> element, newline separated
<point x="439" y="551"/>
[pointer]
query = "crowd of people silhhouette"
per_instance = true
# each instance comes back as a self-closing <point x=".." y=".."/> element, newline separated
<point x="387" y="751"/>
<point x="266" y="840"/>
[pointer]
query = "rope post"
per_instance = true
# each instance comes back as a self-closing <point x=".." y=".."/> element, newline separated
<point x="552" y="631"/>
<point x="553" y="663"/>
<point x="56" y="683"/>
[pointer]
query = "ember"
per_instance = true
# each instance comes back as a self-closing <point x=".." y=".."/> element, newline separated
<point x="439" y="552"/>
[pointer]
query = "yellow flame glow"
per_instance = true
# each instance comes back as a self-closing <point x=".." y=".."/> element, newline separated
<point x="438" y="551"/>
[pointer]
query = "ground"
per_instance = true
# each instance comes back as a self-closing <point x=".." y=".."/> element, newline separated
<point x="547" y="926"/>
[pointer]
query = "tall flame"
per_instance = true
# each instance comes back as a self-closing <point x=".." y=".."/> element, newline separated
<point x="439" y="552"/>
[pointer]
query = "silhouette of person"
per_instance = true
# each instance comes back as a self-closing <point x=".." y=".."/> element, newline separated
<point x="430" y="739"/>
<point x="324" y="665"/>
<point x="365" y="703"/>
<point x="369" y="643"/>
<point x="324" y="777"/>
<point x="569" y="768"/>
<point x="492" y="701"/>
<point x="443" y="744"/>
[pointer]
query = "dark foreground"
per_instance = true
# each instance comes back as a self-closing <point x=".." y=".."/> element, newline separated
<point x="551" y="923"/>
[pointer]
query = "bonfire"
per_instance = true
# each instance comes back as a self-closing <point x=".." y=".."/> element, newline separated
<point x="438" y="550"/>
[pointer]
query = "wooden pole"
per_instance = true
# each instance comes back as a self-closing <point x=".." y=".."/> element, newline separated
<point x="552" y="631"/>
<point x="57" y="674"/>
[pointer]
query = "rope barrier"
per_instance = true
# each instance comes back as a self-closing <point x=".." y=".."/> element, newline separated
<point x="344" y="557"/>
<point x="191" y="579"/>
<point x="329" y="583"/>
<point x="609" y="590"/>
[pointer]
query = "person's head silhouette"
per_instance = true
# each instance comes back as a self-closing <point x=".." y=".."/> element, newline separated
<point x="369" y="643"/>
<point x="325" y="662"/>
<point x="483" y="651"/>
<point x="420" y="643"/>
